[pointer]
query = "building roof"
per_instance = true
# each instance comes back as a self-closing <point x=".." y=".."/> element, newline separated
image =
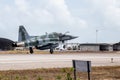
<point x="5" y="44"/>
<point x="93" y="44"/>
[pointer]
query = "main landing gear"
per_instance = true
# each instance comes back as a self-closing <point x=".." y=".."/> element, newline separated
<point x="51" y="51"/>
<point x="31" y="50"/>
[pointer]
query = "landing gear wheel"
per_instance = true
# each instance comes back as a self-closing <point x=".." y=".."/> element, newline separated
<point x="31" y="50"/>
<point x="51" y="51"/>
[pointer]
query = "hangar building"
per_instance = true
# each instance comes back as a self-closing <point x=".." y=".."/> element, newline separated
<point x="94" y="46"/>
<point x="5" y="44"/>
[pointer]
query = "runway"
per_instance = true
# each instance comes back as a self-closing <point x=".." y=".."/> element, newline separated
<point x="34" y="61"/>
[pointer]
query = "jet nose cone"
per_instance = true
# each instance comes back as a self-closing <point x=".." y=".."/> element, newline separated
<point x="67" y="37"/>
<point x="73" y="37"/>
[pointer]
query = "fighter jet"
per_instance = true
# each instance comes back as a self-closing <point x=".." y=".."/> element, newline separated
<point x="43" y="42"/>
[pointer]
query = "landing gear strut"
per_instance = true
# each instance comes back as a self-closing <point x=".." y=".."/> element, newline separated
<point x="51" y="51"/>
<point x="31" y="50"/>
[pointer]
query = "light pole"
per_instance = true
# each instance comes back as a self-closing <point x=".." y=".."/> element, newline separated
<point x="96" y="36"/>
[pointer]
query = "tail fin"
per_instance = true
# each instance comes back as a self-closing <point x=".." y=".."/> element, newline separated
<point x="23" y="35"/>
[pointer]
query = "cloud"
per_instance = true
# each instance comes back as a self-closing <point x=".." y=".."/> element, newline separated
<point x="80" y="17"/>
<point x="108" y="9"/>
<point x="22" y="5"/>
<point x="51" y="14"/>
<point x="112" y="15"/>
<point x="103" y="15"/>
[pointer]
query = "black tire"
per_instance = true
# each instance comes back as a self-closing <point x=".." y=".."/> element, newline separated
<point x="31" y="50"/>
<point x="51" y="51"/>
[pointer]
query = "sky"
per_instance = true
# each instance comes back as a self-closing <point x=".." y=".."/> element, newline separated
<point x="91" y="20"/>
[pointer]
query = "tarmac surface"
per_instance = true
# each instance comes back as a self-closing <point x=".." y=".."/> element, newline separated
<point x="34" y="61"/>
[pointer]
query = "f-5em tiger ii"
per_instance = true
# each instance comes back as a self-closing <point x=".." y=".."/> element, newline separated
<point x="47" y="41"/>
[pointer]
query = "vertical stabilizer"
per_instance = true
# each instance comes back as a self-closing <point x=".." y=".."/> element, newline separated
<point x="23" y="35"/>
